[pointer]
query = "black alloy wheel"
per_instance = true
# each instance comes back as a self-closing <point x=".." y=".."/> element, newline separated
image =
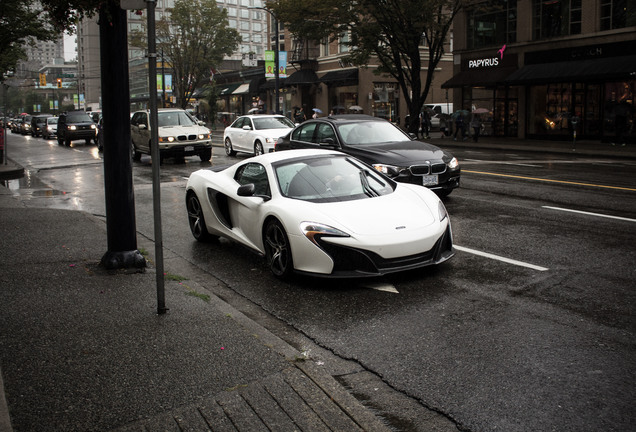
<point x="196" y="219"/>
<point x="277" y="251"/>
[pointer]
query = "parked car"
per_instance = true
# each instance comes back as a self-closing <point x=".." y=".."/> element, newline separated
<point x="25" y="124"/>
<point x="75" y="125"/>
<point x="38" y="124"/>
<point x="255" y="134"/>
<point x="381" y="144"/>
<point x="50" y="130"/>
<point x="180" y="135"/>
<point x="321" y="213"/>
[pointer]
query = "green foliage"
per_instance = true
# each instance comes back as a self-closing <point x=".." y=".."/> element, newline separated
<point x="194" y="37"/>
<point x="20" y="23"/>
<point x="402" y="36"/>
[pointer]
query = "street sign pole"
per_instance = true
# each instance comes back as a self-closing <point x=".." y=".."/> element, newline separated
<point x="155" y="155"/>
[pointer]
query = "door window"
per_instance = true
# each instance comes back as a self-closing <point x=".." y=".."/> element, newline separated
<point x="254" y="173"/>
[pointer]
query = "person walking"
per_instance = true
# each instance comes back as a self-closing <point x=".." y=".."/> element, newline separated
<point x="300" y="116"/>
<point x="460" y="126"/>
<point x="426" y="123"/>
<point x="475" y="125"/>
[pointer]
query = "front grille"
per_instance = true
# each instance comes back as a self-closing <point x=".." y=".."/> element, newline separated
<point x="427" y="169"/>
<point x="187" y="138"/>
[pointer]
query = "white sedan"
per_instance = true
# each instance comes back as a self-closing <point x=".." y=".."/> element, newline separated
<point x="255" y="134"/>
<point x="320" y="212"/>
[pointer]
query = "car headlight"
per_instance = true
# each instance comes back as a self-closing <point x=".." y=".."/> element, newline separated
<point x="166" y="139"/>
<point x="453" y="163"/>
<point x="204" y="136"/>
<point x="389" y="170"/>
<point x="72" y="127"/>
<point x="443" y="214"/>
<point x="93" y="126"/>
<point x="313" y="231"/>
<point x="270" y="140"/>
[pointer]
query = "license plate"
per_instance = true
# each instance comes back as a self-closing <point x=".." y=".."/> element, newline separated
<point x="430" y="180"/>
<point x="189" y="148"/>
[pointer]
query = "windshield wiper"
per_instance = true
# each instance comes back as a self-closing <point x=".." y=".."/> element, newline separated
<point x="368" y="190"/>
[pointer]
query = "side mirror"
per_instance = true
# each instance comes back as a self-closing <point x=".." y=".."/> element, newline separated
<point x="249" y="190"/>
<point x="246" y="127"/>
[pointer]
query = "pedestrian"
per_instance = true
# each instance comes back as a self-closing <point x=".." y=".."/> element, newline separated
<point x="426" y="124"/>
<point x="300" y="117"/>
<point x="460" y="126"/>
<point x="475" y="125"/>
<point x="442" y="125"/>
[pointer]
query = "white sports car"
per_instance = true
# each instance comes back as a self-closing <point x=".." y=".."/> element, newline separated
<point x="255" y="134"/>
<point x="320" y="212"/>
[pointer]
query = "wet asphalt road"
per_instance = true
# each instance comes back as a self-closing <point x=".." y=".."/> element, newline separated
<point x="529" y="327"/>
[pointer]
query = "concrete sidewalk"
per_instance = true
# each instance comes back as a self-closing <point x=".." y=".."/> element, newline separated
<point x="83" y="349"/>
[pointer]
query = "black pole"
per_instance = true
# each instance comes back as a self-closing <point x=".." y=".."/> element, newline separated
<point x="156" y="157"/>
<point x="118" y="186"/>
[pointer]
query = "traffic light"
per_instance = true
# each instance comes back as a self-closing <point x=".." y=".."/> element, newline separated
<point x="42" y="79"/>
<point x="59" y="83"/>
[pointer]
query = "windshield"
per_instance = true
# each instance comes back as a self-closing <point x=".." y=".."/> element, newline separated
<point x="175" y="118"/>
<point x="78" y="118"/>
<point x="330" y="178"/>
<point x="371" y="132"/>
<point x="272" y="123"/>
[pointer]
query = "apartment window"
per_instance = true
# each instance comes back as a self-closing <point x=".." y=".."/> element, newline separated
<point x="343" y="43"/>
<point x="232" y="11"/>
<point x="554" y="18"/>
<point x="492" y="23"/>
<point x="257" y="27"/>
<point x="618" y="14"/>
<point x="245" y="25"/>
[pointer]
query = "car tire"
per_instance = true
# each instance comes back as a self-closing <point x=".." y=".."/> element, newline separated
<point x="136" y="156"/>
<point x="277" y="250"/>
<point x="228" y="148"/>
<point x="258" y="148"/>
<point x="88" y="141"/>
<point x="205" y="155"/>
<point x="67" y="142"/>
<point x="60" y="141"/>
<point x="196" y="219"/>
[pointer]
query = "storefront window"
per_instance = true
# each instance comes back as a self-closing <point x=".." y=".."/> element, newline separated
<point x="385" y="101"/>
<point x="341" y="98"/>
<point x="492" y="23"/>
<point x="620" y="112"/>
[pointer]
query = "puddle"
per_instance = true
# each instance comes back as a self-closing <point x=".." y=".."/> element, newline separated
<point x="31" y="185"/>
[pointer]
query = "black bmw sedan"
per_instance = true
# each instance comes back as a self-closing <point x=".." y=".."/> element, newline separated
<point x="380" y="144"/>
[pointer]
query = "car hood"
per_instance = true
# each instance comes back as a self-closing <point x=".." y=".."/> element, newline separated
<point x="402" y="211"/>
<point x="403" y="153"/>
<point x="273" y="133"/>
<point x="182" y="130"/>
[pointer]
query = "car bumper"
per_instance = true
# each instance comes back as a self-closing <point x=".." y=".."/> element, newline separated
<point x="344" y="261"/>
<point x="184" y="149"/>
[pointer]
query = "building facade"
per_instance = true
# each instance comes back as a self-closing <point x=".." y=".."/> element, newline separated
<point x="548" y="70"/>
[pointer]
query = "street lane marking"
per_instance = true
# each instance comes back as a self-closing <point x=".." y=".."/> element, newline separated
<point x="590" y="214"/>
<point x="500" y="258"/>
<point x="550" y="180"/>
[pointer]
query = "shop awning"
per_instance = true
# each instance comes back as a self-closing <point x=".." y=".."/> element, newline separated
<point x="611" y="68"/>
<point x="340" y="78"/>
<point x="302" y="77"/>
<point x="483" y="77"/>
<point x="228" y="89"/>
<point x="242" y="89"/>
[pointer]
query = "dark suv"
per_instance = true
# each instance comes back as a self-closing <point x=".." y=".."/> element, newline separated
<point x="75" y="125"/>
<point x="38" y="124"/>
